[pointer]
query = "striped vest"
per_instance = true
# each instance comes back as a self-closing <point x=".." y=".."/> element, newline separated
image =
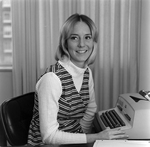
<point x="72" y="105"/>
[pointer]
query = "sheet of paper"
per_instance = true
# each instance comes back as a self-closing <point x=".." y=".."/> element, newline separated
<point x="121" y="143"/>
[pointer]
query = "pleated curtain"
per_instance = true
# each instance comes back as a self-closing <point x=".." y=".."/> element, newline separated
<point x="36" y="26"/>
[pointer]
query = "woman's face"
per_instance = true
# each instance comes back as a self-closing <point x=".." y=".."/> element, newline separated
<point x="80" y="44"/>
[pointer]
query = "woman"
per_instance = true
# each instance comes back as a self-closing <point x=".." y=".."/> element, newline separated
<point x="65" y="101"/>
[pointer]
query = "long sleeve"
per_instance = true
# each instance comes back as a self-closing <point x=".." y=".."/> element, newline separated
<point x="49" y="90"/>
<point x="87" y="120"/>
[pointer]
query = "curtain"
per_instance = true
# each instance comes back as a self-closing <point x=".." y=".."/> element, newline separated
<point x="36" y="25"/>
<point x="25" y="45"/>
<point x="116" y="67"/>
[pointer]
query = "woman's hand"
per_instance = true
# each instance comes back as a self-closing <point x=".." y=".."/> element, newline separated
<point x="109" y="134"/>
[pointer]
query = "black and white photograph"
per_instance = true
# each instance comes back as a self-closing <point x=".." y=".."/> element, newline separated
<point x="75" y="73"/>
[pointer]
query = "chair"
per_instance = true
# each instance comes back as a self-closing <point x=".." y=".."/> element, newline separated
<point x="15" y="117"/>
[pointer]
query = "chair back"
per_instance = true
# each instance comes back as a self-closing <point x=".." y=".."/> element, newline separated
<point x="15" y="117"/>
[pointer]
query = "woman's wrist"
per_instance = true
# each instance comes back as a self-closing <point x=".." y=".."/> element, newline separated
<point x="92" y="137"/>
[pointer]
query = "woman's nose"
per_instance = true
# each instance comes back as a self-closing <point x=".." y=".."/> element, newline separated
<point x="81" y="43"/>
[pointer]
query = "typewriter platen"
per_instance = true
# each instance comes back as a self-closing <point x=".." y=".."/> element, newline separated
<point x="131" y="114"/>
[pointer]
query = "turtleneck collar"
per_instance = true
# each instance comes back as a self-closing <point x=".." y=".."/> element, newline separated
<point x="72" y="68"/>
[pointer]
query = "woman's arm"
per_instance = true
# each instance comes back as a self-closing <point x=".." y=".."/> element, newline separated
<point x="87" y="120"/>
<point x="49" y="91"/>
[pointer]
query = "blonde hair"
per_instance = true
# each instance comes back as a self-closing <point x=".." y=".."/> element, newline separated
<point x="66" y="30"/>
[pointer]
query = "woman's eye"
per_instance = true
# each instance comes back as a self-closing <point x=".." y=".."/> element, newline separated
<point x="74" y="38"/>
<point x="88" y="37"/>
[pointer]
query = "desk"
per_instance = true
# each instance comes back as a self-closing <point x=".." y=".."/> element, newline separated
<point x="103" y="143"/>
<point x="68" y="145"/>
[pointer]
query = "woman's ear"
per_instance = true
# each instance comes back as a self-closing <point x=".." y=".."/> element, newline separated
<point x="94" y="51"/>
<point x="92" y="57"/>
<point x="95" y="46"/>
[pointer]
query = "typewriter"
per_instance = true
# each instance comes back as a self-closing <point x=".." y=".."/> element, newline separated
<point x="131" y="114"/>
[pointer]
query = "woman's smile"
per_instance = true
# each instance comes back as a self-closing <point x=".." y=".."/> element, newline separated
<point x="81" y="51"/>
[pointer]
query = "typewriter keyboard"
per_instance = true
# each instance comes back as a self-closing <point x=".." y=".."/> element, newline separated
<point x="111" y="119"/>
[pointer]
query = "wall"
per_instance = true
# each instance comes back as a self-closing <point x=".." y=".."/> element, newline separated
<point x="6" y="91"/>
<point x="144" y="81"/>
